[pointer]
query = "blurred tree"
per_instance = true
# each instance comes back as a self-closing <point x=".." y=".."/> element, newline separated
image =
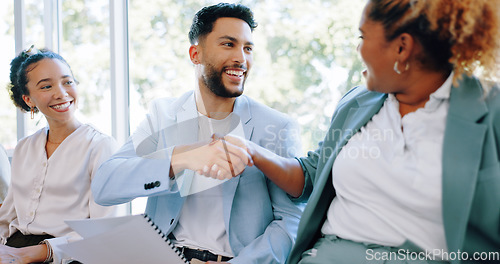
<point x="7" y="109"/>
<point x="305" y="55"/>
<point x="33" y="35"/>
<point x="85" y="45"/>
<point x="310" y="47"/>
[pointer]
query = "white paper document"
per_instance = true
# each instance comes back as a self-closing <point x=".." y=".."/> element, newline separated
<point x="129" y="239"/>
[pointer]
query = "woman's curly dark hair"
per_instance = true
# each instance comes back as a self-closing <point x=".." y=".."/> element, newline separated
<point x="19" y="68"/>
<point x="458" y="35"/>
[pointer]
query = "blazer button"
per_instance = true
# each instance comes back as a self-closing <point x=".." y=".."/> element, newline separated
<point x="157" y="184"/>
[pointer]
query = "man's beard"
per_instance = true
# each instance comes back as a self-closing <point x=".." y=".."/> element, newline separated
<point x="213" y="80"/>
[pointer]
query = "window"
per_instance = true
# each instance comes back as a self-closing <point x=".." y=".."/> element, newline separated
<point x="85" y="44"/>
<point x="7" y="110"/>
<point x="305" y="57"/>
<point x="82" y="39"/>
<point x="34" y="35"/>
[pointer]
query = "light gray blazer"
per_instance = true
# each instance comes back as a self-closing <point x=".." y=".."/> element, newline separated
<point x="261" y="221"/>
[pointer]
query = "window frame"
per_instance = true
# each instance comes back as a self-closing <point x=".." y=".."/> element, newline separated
<point x="120" y="114"/>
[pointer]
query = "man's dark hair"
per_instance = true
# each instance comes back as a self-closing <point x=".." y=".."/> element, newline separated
<point x="203" y="21"/>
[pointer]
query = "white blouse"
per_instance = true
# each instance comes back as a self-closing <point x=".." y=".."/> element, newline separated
<point x="4" y="173"/>
<point x="388" y="178"/>
<point x="45" y="192"/>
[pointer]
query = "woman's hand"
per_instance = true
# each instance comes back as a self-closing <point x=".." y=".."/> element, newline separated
<point x="10" y="255"/>
<point x="284" y="172"/>
<point x="241" y="143"/>
<point x="23" y="255"/>
<point x="217" y="159"/>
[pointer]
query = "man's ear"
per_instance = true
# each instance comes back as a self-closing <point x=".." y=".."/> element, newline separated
<point x="194" y="54"/>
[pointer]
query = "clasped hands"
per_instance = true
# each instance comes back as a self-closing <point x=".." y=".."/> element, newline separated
<point x="223" y="157"/>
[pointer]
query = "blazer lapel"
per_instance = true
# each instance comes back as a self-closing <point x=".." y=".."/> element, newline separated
<point x="187" y="126"/>
<point x="242" y="110"/>
<point x="462" y="148"/>
<point x="368" y="104"/>
<point x="187" y="112"/>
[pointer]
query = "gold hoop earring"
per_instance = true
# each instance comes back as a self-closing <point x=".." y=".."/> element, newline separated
<point x="32" y="113"/>
<point x="396" y="67"/>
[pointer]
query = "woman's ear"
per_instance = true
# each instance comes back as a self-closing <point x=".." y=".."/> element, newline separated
<point x="27" y="100"/>
<point x="405" y="44"/>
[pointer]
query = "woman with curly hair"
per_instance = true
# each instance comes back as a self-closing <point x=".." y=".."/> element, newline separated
<point x="51" y="169"/>
<point x="410" y="167"/>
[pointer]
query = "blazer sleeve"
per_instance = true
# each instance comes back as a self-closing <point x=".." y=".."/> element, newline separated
<point x="275" y="244"/>
<point x="140" y="167"/>
<point x="103" y="149"/>
<point x="309" y="166"/>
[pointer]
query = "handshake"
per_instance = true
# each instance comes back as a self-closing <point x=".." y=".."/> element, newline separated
<point x="223" y="157"/>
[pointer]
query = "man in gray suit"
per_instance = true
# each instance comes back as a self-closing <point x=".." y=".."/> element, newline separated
<point x="240" y="219"/>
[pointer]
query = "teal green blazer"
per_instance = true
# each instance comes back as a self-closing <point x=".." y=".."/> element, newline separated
<point x="471" y="167"/>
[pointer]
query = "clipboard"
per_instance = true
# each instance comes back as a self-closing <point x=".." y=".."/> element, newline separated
<point x="133" y="239"/>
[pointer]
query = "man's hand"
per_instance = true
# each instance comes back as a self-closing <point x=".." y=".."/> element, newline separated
<point x="248" y="146"/>
<point x="236" y="143"/>
<point x="217" y="159"/>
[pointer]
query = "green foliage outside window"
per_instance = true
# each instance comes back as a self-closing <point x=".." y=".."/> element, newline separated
<point x="305" y="56"/>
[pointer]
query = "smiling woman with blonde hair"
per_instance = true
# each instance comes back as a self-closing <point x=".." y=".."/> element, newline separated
<point x="431" y="183"/>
